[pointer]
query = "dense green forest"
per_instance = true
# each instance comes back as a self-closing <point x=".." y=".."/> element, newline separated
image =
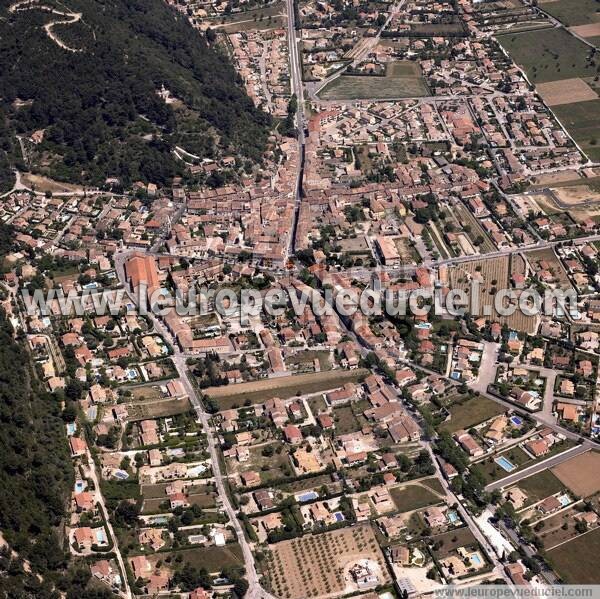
<point x="99" y="105"/>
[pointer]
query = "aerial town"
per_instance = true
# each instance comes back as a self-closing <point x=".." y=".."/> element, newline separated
<point x="419" y="147"/>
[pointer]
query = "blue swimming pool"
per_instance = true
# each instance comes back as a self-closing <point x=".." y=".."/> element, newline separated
<point x="339" y="517"/>
<point x="453" y="517"/>
<point x="307" y="496"/>
<point x="516" y="420"/>
<point x="475" y="559"/>
<point x="505" y="464"/>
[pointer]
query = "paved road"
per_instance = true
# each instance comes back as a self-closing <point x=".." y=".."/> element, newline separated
<point x="255" y="591"/>
<point x="298" y="89"/>
<point x="91" y="470"/>
<point x="543" y="465"/>
<point x="367" y="45"/>
<point x="468" y="519"/>
<point x="398" y="270"/>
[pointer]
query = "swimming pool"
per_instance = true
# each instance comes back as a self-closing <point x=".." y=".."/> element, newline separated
<point x="505" y="464"/>
<point x="307" y="496"/>
<point x="475" y="559"/>
<point x="121" y="474"/>
<point x="79" y="486"/>
<point x="100" y="536"/>
<point x="564" y="500"/>
<point x="516" y="420"/>
<point x="196" y="470"/>
<point x="339" y="517"/>
<point x="453" y="517"/>
<point x="71" y="428"/>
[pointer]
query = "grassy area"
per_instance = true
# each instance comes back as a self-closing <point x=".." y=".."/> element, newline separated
<point x="450" y="541"/>
<point x="231" y="396"/>
<point x="158" y="409"/>
<point x="576" y="561"/>
<point x="413" y="497"/>
<point x="540" y="485"/>
<point x="573" y="12"/>
<point x="345" y="421"/>
<point x="214" y="559"/>
<point x="493" y="471"/>
<point x="550" y="54"/>
<point x="306" y="359"/>
<point x="434" y="484"/>
<point x="582" y="120"/>
<point x="470" y="413"/>
<point x="402" y="80"/>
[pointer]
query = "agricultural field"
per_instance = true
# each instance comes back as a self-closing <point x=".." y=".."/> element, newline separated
<point x="230" y="396"/>
<point x="411" y="497"/>
<point x="470" y="413"/>
<point x="402" y="80"/>
<point x="493" y="275"/>
<point x="572" y="12"/>
<point x="581" y="474"/>
<point x="566" y="91"/>
<point x="317" y="565"/>
<point x="582" y="121"/>
<point x="576" y="561"/>
<point x="550" y="54"/>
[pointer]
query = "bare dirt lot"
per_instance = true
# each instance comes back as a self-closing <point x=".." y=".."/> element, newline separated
<point x="576" y="195"/>
<point x="283" y="387"/>
<point x="40" y="183"/>
<point x="581" y="474"/>
<point x="566" y="91"/>
<point x="588" y="30"/>
<point x="580" y="202"/>
<point x="317" y="565"/>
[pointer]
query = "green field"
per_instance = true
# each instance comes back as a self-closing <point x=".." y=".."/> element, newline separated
<point x="582" y="120"/>
<point x="493" y="471"/>
<point x="550" y="54"/>
<point x="540" y="485"/>
<point x="214" y="559"/>
<point x="573" y="12"/>
<point x="413" y="497"/>
<point x="576" y="562"/>
<point x="402" y="80"/>
<point x="470" y="413"/>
